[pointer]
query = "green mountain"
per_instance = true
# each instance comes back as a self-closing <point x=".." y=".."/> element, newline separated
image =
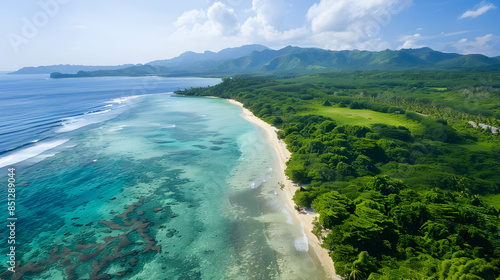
<point x="66" y="68"/>
<point x="300" y="60"/>
<point x="190" y="61"/>
<point x="430" y="55"/>
<point x="138" y="70"/>
<point x="296" y="60"/>
<point x="255" y="60"/>
<point x="472" y="61"/>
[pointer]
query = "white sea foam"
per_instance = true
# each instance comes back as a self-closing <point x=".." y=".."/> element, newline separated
<point x="77" y="122"/>
<point x="289" y="219"/>
<point x="98" y="112"/>
<point x="301" y="243"/>
<point x="30" y="152"/>
<point x="122" y="99"/>
<point x="116" y="128"/>
<point x="72" y="123"/>
<point x="257" y="184"/>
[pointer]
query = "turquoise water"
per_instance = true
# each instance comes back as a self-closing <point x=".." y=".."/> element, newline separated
<point x="171" y="188"/>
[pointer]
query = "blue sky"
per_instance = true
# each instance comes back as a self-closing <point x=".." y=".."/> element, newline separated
<point x="111" y="32"/>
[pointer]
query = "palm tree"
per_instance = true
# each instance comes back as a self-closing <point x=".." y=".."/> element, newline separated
<point x="355" y="273"/>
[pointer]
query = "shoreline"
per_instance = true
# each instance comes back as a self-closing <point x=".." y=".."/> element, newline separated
<point x="305" y="219"/>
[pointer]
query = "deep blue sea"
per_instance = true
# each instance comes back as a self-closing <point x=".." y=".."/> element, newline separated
<point x="119" y="178"/>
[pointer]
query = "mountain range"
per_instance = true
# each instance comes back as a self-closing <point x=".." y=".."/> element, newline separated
<point x="305" y="60"/>
<point x="66" y="68"/>
<point x="189" y="61"/>
<point x="294" y="60"/>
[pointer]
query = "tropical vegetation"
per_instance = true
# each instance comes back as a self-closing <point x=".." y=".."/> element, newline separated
<point x="405" y="181"/>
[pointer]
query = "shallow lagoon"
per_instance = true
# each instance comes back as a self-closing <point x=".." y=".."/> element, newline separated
<point x="171" y="188"/>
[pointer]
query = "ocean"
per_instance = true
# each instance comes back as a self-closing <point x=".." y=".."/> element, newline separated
<point x="118" y="177"/>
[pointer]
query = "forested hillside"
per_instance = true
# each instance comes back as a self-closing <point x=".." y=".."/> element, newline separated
<point x="405" y="187"/>
<point x="296" y="60"/>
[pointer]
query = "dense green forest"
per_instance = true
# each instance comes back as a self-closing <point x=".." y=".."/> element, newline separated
<point x="405" y="186"/>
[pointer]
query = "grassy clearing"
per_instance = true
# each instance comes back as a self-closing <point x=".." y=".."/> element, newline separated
<point x="363" y="117"/>
<point x="481" y="147"/>
<point x="492" y="199"/>
<point x="439" y="89"/>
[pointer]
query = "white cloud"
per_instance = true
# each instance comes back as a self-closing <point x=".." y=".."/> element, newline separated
<point x="330" y="24"/>
<point x="352" y="24"/>
<point x="271" y="12"/>
<point x="218" y="20"/>
<point x="223" y="18"/>
<point x="485" y="45"/>
<point x="208" y="27"/>
<point x="344" y="40"/>
<point x="478" y="10"/>
<point x="190" y="18"/>
<point x="339" y="15"/>
<point x="453" y="33"/>
<point x="263" y="26"/>
<point x="410" y="41"/>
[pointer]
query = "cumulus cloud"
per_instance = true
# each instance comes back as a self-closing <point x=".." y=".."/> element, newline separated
<point x="484" y="45"/>
<point x="270" y="12"/>
<point x="223" y="18"/>
<point x="410" y="41"/>
<point x="256" y="30"/>
<point x="190" y="18"/>
<point x="348" y="24"/>
<point x="413" y="41"/>
<point x="330" y="24"/>
<point x="478" y="10"/>
<point x="263" y="26"/>
<point x="218" y="20"/>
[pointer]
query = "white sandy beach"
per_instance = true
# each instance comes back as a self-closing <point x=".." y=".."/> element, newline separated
<point x="289" y="190"/>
